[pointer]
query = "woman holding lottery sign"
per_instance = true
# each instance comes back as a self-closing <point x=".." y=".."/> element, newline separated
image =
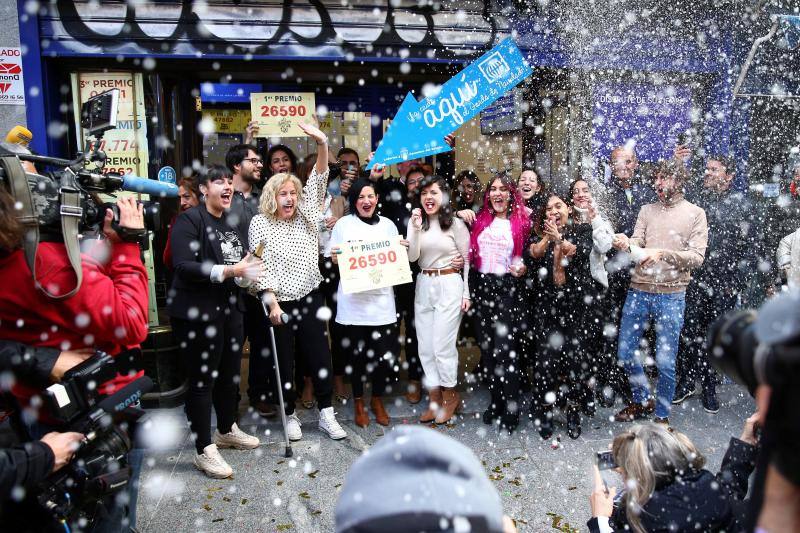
<point x="436" y="237"/>
<point x="368" y="318"/>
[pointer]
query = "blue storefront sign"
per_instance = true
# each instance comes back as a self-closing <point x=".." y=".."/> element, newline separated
<point x="647" y="117"/>
<point x="228" y="92"/>
<point x="419" y="128"/>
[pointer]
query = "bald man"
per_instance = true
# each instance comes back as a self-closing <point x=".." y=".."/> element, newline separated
<point x="629" y="196"/>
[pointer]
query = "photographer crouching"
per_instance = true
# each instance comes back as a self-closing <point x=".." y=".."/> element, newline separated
<point x="666" y="486"/>
<point x="98" y="302"/>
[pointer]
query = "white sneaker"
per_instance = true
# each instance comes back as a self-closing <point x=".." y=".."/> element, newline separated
<point x="329" y="424"/>
<point x="293" y="427"/>
<point x="236" y="438"/>
<point x="212" y="463"/>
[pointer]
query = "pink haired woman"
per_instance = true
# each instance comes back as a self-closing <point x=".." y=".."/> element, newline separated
<point x="497" y="242"/>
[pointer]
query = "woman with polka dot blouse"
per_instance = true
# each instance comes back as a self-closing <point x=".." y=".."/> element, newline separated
<point x="288" y="227"/>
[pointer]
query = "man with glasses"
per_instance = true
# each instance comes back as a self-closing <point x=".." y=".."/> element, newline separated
<point x="246" y="165"/>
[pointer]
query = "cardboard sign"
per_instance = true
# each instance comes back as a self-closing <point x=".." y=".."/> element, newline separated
<point x="369" y="265"/>
<point x="419" y="128"/>
<point x="12" y="86"/>
<point x="278" y="114"/>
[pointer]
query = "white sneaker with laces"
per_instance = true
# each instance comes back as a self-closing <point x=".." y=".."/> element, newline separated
<point x="329" y="424"/>
<point x="212" y="464"/>
<point x="293" y="427"/>
<point x="235" y="438"/>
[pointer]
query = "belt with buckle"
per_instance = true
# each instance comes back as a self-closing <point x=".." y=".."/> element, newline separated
<point x="439" y="271"/>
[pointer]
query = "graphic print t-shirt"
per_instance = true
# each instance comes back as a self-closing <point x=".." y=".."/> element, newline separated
<point x="229" y="241"/>
<point x="496" y="246"/>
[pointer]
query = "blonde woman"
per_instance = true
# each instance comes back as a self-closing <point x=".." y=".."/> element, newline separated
<point x="667" y="487"/>
<point x="288" y="226"/>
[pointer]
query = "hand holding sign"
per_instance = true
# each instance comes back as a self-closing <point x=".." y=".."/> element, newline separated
<point x="419" y="128"/>
<point x="370" y="265"/>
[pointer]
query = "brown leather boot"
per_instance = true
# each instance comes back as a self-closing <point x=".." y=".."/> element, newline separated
<point x="451" y="401"/>
<point x="381" y="416"/>
<point x="414" y="394"/>
<point x="635" y="411"/>
<point x="434" y="405"/>
<point x="362" y="418"/>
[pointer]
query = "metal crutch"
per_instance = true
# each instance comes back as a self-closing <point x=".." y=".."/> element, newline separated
<point x="285" y="320"/>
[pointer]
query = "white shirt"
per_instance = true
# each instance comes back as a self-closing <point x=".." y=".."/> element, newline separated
<point x="291" y="251"/>
<point x="496" y="247"/>
<point x="369" y="308"/>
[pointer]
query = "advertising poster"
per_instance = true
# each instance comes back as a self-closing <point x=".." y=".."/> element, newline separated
<point x="12" y="85"/>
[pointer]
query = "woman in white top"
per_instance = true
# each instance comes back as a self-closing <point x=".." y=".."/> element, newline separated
<point x="288" y="226"/>
<point x="368" y="318"/>
<point x="435" y="237"/>
<point x="497" y="242"/>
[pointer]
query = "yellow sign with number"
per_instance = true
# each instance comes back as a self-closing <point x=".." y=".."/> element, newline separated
<point x="369" y="265"/>
<point x="278" y="114"/>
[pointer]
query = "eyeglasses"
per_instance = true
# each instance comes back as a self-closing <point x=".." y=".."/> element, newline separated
<point x="255" y="160"/>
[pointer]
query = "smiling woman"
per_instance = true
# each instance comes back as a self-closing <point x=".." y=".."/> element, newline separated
<point x="289" y="227"/>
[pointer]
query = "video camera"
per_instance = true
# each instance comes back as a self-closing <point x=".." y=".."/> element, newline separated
<point x="100" y="467"/>
<point x="50" y="205"/>
<point x="764" y="349"/>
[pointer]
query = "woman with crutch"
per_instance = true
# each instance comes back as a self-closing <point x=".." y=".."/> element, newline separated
<point x="288" y="227"/>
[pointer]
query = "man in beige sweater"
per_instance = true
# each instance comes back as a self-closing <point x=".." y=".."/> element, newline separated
<point x="669" y="240"/>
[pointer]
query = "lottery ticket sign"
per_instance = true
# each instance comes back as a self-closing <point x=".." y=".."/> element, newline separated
<point x="278" y="114"/>
<point x="369" y="265"/>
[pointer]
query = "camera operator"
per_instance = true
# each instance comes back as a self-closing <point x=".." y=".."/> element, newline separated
<point x="108" y="312"/>
<point x="28" y="464"/>
<point x="667" y="488"/>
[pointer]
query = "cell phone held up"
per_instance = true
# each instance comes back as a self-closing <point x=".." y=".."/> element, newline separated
<point x="605" y="461"/>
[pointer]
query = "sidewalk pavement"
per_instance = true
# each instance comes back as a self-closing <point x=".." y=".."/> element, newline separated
<point x="544" y="485"/>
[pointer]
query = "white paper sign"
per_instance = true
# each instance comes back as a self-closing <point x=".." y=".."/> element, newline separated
<point x="12" y="86"/>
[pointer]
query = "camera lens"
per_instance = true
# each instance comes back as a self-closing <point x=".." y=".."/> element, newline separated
<point x="732" y="344"/>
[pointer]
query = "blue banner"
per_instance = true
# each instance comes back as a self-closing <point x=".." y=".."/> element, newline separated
<point x="419" y="128"/>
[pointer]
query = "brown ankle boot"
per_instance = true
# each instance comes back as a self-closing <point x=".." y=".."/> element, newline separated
<point x="434" y="405"/>
<point x="451" y="401"/>
<point x="381" y="416"/>
<point x="414" y="394"/>
<point x="362" y="418"/>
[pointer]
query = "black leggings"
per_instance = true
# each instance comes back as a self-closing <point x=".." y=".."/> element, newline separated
<point x="374" y="351"/>
<point x="498" y="301"/>
<point x="261" y="380"/>
<point x="304" y="335"/>
<point x="328" y="287"/>
<point x="404" y="300"/>
<point x="206" y="348"/>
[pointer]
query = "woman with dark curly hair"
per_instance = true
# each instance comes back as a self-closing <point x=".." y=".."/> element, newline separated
<point x="435" y="237"/>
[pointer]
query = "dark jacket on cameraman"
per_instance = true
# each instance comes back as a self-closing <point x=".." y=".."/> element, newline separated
<point x="25" y="465"/>
<point x="109" y="312"/>
<point x="698" y="501"/>
<point x="195" y="249"/>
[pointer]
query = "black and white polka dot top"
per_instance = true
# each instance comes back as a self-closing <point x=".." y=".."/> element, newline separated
<point x="291" y="247"/>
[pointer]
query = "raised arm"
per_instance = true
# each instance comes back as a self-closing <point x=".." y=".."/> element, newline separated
<point x="322" y="146"/>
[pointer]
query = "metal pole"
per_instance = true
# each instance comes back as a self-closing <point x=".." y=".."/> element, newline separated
<point x="756" y="44"/>
<point x="284" y="319"/>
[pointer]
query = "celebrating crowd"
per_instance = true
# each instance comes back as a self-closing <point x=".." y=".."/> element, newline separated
<point x="577" y="296"/>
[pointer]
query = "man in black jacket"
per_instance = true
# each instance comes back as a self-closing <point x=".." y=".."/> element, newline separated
<point x="28" y="464"/>
<point x="246" y="166"/>
<point x="715" y="287"/>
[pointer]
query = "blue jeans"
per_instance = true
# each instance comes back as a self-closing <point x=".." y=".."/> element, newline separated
<point x="666" y="311"/>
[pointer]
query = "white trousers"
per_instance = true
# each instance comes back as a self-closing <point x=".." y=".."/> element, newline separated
<point x="437" y="317"/>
